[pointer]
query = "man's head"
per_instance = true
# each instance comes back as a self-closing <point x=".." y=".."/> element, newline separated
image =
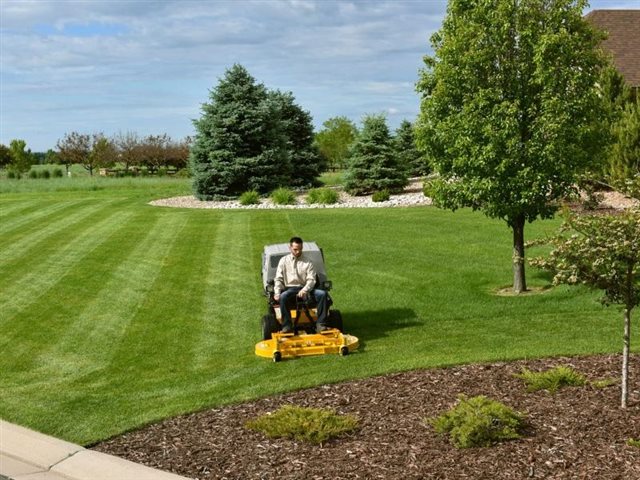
<point x="295" y="246"/>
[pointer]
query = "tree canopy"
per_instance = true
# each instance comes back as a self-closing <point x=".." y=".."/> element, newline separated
<point x="335" y="140"/>
<point x="508" y="108"/>
<point x="21" y="157"/>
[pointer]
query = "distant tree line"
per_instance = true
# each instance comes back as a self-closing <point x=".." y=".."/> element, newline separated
<point x="94" y="151"/>
<point x="127" y="150"/>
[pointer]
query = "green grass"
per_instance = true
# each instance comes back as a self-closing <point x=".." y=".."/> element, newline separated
<point x="115" y="314"/>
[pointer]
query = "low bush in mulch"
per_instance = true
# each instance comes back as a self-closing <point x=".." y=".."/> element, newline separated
<point x="314" y="425"/>
<point x="576" y="433"/>
<point x="552" y="380"/>
<point x="479" y="422"/>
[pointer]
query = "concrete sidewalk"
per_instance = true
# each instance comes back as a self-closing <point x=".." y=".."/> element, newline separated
<point x="29" y="455"/>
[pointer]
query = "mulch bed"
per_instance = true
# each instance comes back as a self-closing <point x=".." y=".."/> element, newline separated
<point x="578" y="433"/>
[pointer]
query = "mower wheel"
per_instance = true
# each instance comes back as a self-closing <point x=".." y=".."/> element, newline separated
<point x="277" y="356"/>
<point x="344" y="350"/>
<point x="335" y="319"/>
<point x="269" y="326"/>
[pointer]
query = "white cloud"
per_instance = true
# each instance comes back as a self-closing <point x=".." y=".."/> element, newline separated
<point x="146" y="66"/>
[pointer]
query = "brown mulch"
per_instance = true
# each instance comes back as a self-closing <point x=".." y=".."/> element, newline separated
<point x="578" y="433"/>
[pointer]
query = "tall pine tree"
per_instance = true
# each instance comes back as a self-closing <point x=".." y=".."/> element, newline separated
<point x="373" y="164"/>
<point x="409" y="155"/>
<point x="297" y="127"/>
<point x="239" y="144"/>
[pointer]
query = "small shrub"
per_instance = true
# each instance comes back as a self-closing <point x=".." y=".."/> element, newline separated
<point x="633" y="443"/>
<point x="283" y="196"/>
<point x="551" y="380"/>
<point x="250" y="198"/>
<point x="44" y="174"/>
<point x="381" y="196"/>
<point x="325" y="196"/>
<point x="33" y="174"/>
<point x="162" y="172"/>
<point x="57" y="173"/>
<point x="604" y="382"/>
<point x="479" y="422"/>
<point x="183" y="173"/>
<point x="11" y="174"/>
<point x="304" y="424"/>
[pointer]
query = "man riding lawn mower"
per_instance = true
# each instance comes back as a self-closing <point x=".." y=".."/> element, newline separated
<point x="300" y="320"/>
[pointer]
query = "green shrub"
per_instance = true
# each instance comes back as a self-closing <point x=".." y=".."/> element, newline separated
<point x="162" y="172"/>
<point x="381" y="196"/>
<point x="57" y="173"/>
<point x="33" y="174"/>
<point x="604" y="382"/>
<point x="183" y="173"/>
<point x="304" y="424"/>
<point x="633" y="443"/>
<point x="250" y="198"/>
<point x="323" y="196"/>
<point x="283" y="196"/>
<point x="479" y="422"/>
<point x="44" y="174"/>
<point x="551" y="380"/>
<point x="13" y="175"/>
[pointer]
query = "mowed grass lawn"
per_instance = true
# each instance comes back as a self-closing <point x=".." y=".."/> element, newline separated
<point x="115" y="313"/>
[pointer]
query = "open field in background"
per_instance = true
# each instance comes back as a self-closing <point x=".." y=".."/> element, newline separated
<point x="115" y="313"/>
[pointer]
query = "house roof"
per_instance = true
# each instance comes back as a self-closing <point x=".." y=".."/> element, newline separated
<point x="623" y="42"/>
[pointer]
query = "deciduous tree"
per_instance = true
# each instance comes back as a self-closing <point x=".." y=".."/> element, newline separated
<point x="127" y="145"/>
<point x="74" y="148"/>
<point x="508" y="109"/>
<point x="103" y="153"/>
<point x="602" y="251"/>
<point x="5" y="156"/>
<point x="21" y="157"/>
<point x="335" y="140"/>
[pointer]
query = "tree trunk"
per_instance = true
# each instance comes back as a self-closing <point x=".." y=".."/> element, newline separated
<point x="625" y="357"/>
<point x="519" y="280"/>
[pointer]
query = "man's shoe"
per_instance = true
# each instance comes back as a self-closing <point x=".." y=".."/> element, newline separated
<point x="287" y="329"/>
<point x="321" y="328"/>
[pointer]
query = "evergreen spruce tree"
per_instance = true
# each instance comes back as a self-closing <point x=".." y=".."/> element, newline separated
<point x="238" y="144"/>
<point x="408" y="154"/>
<point x="373" y="164"/>
<point x="297" y="127"/>
<point x="624" y="163"/>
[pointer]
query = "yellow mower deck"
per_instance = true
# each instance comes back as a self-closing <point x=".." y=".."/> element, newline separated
<point x="288" y="345"/>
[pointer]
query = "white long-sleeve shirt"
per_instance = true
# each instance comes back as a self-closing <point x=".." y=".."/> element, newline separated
<point x="295" y="272"/>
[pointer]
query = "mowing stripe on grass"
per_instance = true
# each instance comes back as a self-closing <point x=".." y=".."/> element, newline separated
<point x="15" y="208"/>
<point x="40" y="233"/>
<point x="32" y="217"/>
<point x="229" y="289"/>
<point x="92" y="334"/>
<point x="17" y="296"/>
<point x="135" y="347"/>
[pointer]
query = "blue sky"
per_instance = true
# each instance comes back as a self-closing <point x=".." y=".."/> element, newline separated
<point x="147" y="65"/>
